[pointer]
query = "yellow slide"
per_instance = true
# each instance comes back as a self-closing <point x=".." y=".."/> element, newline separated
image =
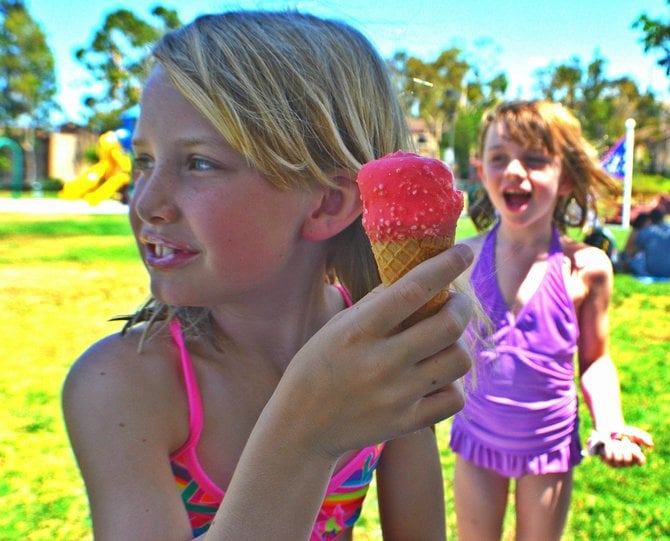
<point x="102" y="180"/>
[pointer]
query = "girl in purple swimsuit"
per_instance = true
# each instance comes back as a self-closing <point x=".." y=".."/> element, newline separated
<point x="547" y="298"/>
<point x="246" y="401"/>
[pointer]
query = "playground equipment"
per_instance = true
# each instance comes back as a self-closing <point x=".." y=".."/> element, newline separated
<point x="17" y="164"/>
<point x="105" y="178"/>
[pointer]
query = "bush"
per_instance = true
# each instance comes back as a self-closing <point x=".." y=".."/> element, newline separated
<point x="51" y="185"/>
<point x="645" y="185"/>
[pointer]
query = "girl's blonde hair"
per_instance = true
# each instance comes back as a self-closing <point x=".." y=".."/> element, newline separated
<point x="300" y="97"/>
<point x="551" y="127"/>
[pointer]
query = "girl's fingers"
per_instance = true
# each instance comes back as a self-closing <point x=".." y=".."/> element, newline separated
<point x="440" y="404"/>
<point x="385" y="309"/>
<point x="623" y="453"/>
<point x="382" y="381"/>
<point x="639" y="436"/>
<point x="433" y="334"/>
<point x="446" y="366"/>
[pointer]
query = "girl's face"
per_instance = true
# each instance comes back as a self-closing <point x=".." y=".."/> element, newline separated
<point x="523" y="184"/>
<point x="209" y="227"/>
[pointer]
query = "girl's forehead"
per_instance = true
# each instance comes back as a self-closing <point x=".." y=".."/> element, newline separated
<point x="499" y="132"/>
<point x="502" y="130"/>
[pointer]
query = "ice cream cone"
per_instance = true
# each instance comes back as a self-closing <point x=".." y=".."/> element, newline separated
<point x="396" y="257"/>
<point x="410" y="211"/>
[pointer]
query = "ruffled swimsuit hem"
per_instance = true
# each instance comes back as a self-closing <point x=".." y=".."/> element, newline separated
<point x="515" y="465"/>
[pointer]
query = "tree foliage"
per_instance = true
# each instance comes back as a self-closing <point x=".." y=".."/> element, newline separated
<point x="452" y="93"/>
<point x="601" y="104"/>
<point x="27" y="77"/>
<point x="656" y="35"/>
<point x="117" y="59"/>
<point x="449" y="94"/>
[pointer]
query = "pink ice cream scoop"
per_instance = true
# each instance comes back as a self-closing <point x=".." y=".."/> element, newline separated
<point x="410" y="211"/>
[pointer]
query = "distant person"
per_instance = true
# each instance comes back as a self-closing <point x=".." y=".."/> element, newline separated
<point x="651" y="248"/>
<point x="547" y="298"/>
<point x="601" y="237"/>
<point x="641" y="221"/>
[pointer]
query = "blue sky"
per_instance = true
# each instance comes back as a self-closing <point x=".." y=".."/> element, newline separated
<point x="517" y="38"/>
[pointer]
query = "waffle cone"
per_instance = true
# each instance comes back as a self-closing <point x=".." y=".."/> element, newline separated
<point x="396" y="257"/>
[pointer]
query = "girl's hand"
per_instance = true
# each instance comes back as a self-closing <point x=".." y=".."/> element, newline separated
<point x="362" y="379"/>
<point x="358" y="381"/>
<point x="623" y="448"/>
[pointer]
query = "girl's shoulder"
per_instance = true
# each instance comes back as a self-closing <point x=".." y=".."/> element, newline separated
<point x="585" y="257"/>
<point x="115" y="381"/>
<point x="589" y="264"/>
<point x="123" y="356"/>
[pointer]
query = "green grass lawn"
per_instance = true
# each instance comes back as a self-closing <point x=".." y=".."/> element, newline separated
<point x="63" y="276"/>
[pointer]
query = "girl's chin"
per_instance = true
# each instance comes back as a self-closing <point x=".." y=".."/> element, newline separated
<point x="514" y="214"/>
<point x="176" y="297"/>
<point x="515" y="206"/>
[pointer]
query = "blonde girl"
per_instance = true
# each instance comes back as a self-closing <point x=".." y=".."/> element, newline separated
<point x="256" y="394"/>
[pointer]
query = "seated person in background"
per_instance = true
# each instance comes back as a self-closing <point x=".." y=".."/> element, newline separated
<point x="601" y="237"/>
<point x="654" y="243"/>
<point x="641" y="221"/>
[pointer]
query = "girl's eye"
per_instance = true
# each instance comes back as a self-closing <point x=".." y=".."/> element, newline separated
<point x="201" y="164"/>
<point x="536" y="161"/>
<point x="498" y="159"/>
<point x="142" y="163"/>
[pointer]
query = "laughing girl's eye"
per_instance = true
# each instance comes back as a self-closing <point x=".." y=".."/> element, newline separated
<point x="497" y="159"/>
<point x="536" y="161"/>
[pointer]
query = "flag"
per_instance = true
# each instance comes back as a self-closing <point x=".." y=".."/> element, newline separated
<point x="614" y="161"/>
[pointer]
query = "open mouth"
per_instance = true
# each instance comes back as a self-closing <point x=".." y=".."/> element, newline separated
<point x="161" y="255"/>
<point x="516" y="199"/>
<point x="161" y="251"/>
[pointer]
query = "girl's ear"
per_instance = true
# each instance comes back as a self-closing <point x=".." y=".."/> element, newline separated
<point x="480" y="169"/>
<point x="565" y="185"/>
<point x="335" y="208"/>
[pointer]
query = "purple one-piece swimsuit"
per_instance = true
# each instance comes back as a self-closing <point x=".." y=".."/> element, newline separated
<point x="520" y="415"/>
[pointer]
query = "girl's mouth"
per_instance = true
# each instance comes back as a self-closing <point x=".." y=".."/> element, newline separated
<point x="516" y="199"/>
<point x="163" y="255"/>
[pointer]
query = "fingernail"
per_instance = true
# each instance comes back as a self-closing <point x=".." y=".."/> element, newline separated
<point x="465" y="252"/>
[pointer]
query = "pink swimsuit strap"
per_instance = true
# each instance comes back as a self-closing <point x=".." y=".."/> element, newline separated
<point x="202" y="497"/>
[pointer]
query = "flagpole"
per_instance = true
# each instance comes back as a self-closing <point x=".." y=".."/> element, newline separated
<point x="628" y="173"/>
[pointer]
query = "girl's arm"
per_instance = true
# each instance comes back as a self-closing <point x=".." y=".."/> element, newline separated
<point x="599" y="379"/>
<point x="410" y="489"/>
<point x="358" y="381"/>
<point x="119" y="409"/>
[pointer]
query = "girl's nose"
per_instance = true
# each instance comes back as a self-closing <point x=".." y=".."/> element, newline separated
<point x="153" y="200"/>
<point x="515" y="167"/>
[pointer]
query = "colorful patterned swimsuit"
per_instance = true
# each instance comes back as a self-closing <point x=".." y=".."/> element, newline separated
<point x="344" y="496"/>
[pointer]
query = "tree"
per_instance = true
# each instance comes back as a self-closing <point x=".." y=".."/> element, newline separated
<point x="601" y="104"/>
<point x="450" y="95"/>
<point x="479" y="95"/>
<point x="561" y="82"/>
<point x="27" y="79"/>
<point x="656" y="35"/>
<point x="431" y="88"/>
<point x="117" y="59"/>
